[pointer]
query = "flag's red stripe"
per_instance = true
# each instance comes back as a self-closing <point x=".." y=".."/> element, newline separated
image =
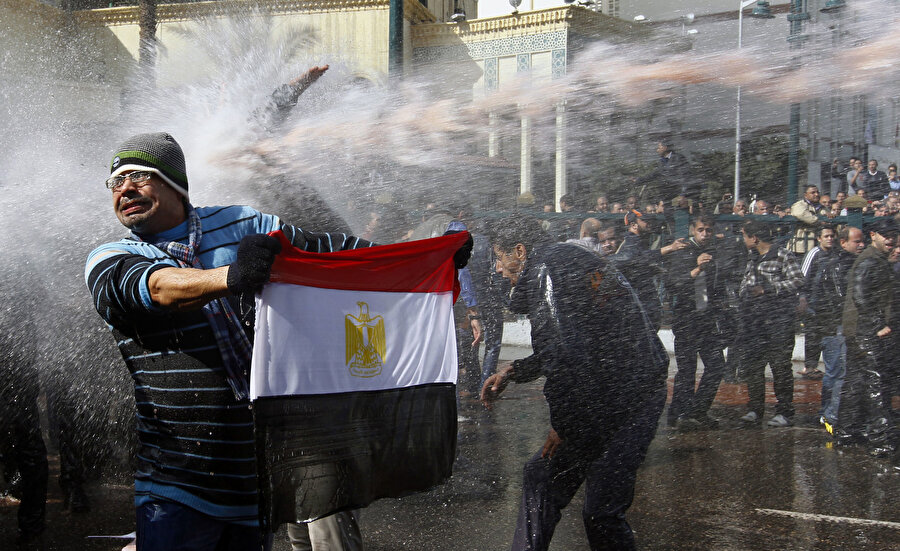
<point x="424" y="266"/>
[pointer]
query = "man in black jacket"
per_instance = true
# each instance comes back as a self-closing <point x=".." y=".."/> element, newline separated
<point x="812" y="300"/>
<point x="605" y="374"/>
<point x="864" y="416"/>
<point x="673" y="173"/>
<point x="698" y="294"/>
<point x="828" y="301"/>
<point x="642" y="265"/>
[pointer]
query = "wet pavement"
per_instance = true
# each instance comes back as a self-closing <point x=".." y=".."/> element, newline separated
<point x="727" y="489"/>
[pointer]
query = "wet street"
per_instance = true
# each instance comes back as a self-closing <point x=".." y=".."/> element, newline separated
<point x="727" y="489"/>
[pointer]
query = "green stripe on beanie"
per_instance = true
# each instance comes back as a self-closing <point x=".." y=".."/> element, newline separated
<point x="157" y="150"/>
<point x="146" y="159"/>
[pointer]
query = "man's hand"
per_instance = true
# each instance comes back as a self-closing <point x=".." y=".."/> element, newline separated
<point x="802" y="305"/>
<point x="494" y="386"/>
<point x="756" y="290"/>
<point x="551" y="445"/>
<point x="477" y="332"/>
<point x="703" y="260"/>
<point x="676" y="245"/>
<point x="306" y="80"/>
<point x="884" y="332"/>
<point x="251" y="270"/>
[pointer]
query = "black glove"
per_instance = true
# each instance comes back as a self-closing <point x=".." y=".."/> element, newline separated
<point x="251" y="270"/>
<point x="462" y="255"/>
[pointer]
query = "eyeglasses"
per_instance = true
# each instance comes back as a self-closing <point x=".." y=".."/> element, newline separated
<point x="137" y="177"/>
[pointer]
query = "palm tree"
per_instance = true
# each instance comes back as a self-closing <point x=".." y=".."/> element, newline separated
<point x="147" y="47"/>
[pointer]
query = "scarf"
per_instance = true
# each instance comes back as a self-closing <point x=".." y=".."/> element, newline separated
<point x="232" y="342"/>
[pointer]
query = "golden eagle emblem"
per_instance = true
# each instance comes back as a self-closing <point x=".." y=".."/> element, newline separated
<point x="366" y="345"/>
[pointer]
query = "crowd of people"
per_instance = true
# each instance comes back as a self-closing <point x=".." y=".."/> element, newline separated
<point x="747" y="287"/>
<point x="597" y="290"/>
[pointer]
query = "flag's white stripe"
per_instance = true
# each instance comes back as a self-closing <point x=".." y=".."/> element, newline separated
<point x="300" y="346"/>
<point x="829" y="518"/>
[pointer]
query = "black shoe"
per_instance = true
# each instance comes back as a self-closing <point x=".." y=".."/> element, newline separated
<point x="883" y="451"/>
<point x="844" y="439"/>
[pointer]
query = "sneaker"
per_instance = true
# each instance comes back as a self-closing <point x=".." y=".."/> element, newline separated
<point x="751" y="417"/>
<point x="827" y="423"/>
<point x="779" y="421"/>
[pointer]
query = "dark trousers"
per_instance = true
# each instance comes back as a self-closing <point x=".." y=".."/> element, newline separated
<point x="62" y="413"/>
<point x="812" y="343"/>
<point x="467" y="356"/>
<point x="492" y="321"/>
<point x="774" y="350"/>
<point x="691" y="339"/>
<point x="169" y="526"/>
<point x="865" y="410"/>
<point x="22" y="447"/>
<point x="609" y="474"/>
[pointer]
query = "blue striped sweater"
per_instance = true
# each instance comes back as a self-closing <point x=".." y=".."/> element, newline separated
<point x="196" y="441"/>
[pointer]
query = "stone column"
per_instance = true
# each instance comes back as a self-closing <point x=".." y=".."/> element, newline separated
<point x="525" y="183"/>
<point x="561" y="184"/>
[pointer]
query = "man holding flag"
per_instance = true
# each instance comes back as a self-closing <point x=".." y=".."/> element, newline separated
<point x="605" y="372"/>
<point x="178" y="295"/>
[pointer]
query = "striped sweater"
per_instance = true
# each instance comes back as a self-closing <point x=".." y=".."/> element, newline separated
<point x="196" y="441"/>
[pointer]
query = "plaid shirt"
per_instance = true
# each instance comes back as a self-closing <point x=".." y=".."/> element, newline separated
<point x="778" y="272"/>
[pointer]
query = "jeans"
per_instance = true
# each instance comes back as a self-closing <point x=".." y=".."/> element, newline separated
<point x="834" y="354"/>
<point x="170" y="526"/>
<point x="608" y="473"/>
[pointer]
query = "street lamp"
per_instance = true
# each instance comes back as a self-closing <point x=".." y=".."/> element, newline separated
<point x="761" y="11"/>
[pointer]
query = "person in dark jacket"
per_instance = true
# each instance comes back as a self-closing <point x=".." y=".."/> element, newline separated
<point x="643" y="266"/>
<point x="673" y="173"/>
<point x="768" y="306"/>
<point x="828" y="300"/>
<point x="698" y="294"/>
<point x="605" y="372"/>
<point x="812" y="299"/>
<point x="865" y="416"/>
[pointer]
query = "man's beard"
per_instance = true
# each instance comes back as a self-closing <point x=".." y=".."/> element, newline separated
<point x="138" y="222"/>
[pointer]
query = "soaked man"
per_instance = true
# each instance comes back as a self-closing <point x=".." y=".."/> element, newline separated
<point x="177" y="294"/>
<point x="605" y="373"/>
<point x="698" y="299"/>
<point x="865" y="416"/>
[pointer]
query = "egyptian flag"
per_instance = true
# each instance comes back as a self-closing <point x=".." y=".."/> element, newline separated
<point x="353" y="379"/>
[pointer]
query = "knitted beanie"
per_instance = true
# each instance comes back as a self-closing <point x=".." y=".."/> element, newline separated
<point x="158" y="153"/>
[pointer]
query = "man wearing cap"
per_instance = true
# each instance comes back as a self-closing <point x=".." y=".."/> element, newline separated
<point x="177" y="294"/>
<point x="865" y="416"/>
